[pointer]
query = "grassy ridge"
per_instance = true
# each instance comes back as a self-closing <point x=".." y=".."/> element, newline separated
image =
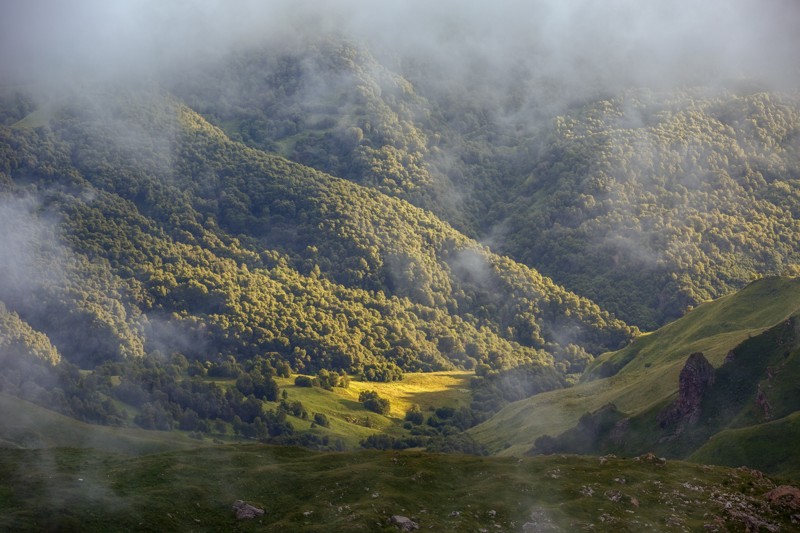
<point x="72" y="489"/>
<point x="710" y="328"/>
<point x="647" y="369"/>
<point x="26" y="425"/>
<point x="769" y="446"/>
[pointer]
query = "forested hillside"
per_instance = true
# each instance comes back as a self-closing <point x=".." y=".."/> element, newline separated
<point x="648" y="201"/>
<point x="139" y="230"/>
<point x="653" y="202"/>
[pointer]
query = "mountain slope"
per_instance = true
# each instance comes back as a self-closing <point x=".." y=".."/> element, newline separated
<point x="151" y="250"/>
<point x="189" y="183"/>
<point x="652" y="202"/>
<point x="769" y="447"/>
<point x="644" y="375"/>
<point x="756" y="383"/>
<point x="292" y="205"/>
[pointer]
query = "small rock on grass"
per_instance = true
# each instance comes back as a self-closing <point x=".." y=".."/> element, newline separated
<point x="245" y="510"/>
<point x="403" y="523"/>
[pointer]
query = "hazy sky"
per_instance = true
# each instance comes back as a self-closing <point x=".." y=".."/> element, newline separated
<point x="647" y="41"/>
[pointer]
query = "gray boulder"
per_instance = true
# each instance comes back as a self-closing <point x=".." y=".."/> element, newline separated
<point x="245" y="510"/>
<point x="403" y="523"/>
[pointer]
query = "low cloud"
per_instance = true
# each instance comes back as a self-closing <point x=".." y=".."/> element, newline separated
<point x="579" y="41"/>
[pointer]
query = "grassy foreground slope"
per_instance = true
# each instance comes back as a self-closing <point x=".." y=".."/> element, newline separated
<point x="76" y="490"/>
<point x="645" y="373"/>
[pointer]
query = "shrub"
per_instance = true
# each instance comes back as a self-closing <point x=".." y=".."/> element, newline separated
<point x="321" y="420"/>
<point x="303" y="381"/>
<point x="414" y="415"/>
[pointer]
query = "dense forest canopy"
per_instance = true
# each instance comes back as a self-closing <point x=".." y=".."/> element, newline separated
<point x="648" y="200"/>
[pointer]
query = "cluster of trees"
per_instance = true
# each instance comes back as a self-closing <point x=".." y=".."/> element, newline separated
<point x="61" y="387"/>
<point x="441" y="431"/>
<point x="153" y="392"/>
<point x="18" y="339"/>
<point x="325" y="379"/>
<point x="494" y="389"/>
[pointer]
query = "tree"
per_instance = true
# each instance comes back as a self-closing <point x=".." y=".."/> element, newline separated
<point x="303" y="381"/>
<point x="244" y="384"/>
<point x="327" y="380"/>
<point x="284" y="370"/>
<point x="321" y="420"/>
<point x="414" y="415"/>
<point x="373" y="402"/>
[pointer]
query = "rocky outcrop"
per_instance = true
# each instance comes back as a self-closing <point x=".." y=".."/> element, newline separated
<point x="245" y="510"/>
<point x="540" y="522"/>
<point x="695" y="379"/>
<point x="403" y="523"/>
<point x="762" y="403"/>
<point x="784" y="496"/>
<point x="619" y="432"/>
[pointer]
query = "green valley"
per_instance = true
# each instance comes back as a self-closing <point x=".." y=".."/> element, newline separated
<point x="353" y="266"/>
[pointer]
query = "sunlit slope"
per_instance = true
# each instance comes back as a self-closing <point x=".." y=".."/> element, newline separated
<point x="709" y="328"/>
<point x="351" y="422"/>
<point x="250" y="236"/>
<point x="758" y="382"/>
<point x="647" y="369"/>
<point x="299" y="490"/>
